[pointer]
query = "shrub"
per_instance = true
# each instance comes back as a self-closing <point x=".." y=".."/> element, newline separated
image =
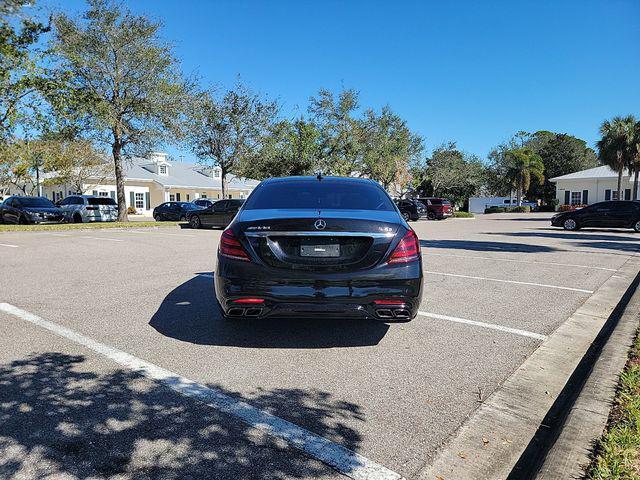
<point x="461" y="214"/>
<point x="569" y="208"/>
<point x="547" y="208"/>
<point x="495" y="209"/>
<point x="520" y="209"/>
<point x="131" y="211"/>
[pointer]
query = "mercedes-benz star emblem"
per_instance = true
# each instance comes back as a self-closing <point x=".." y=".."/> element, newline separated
<point x="320" y="224"/>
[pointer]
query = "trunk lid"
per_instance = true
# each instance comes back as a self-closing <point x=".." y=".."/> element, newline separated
<point x="336" y="240"/>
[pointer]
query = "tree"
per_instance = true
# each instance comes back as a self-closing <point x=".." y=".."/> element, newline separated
<point x="20" y="75"/>
<point x="121" y="79"/>
<point x="228" y="131"/>
<point x="451" y="173"/>
<point x="616" y="147"/>
<point x="523" y="166"/>
<point x="497" y="182"/>
<point x="339" y="139"/>
<point x="289" y="148"/>
<point x="561" y="154"/>
<point x="388" y="148"/>
<point x="635" y="164"/>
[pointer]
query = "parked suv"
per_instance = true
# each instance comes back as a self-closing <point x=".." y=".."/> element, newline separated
<point x="219" y="214"/>
<point x="437" y="208"/>
<point x="410" y="209"/>
<point x="25" y="210"/>
<point x="89" y="208"/>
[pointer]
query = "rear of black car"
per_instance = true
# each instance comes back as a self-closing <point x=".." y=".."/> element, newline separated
<point x="305" y="246"/>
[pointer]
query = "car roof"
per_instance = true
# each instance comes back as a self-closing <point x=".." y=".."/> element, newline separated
<point x="310" y="178"/>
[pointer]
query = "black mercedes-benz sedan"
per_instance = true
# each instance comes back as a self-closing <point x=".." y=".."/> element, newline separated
<point x="319" y="246"/>
<point x="610" y="214"/>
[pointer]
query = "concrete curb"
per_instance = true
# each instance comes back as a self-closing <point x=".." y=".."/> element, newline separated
<point x="587" y="419"/>
<point x="489" y="445"/>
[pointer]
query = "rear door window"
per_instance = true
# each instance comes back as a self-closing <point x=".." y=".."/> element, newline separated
<point x="101" y="201"/>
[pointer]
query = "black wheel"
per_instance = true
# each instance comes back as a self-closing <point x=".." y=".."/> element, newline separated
<point x="406" y="216"/>
<point x="157" y="218"/>
<point x="194" y="221"/>
<point x="636" y="227"/>
<point x="431" y="216"/>
<point x="77" y="218"/>
<point x="570" y="224"/>
<point x="22" y="220"/>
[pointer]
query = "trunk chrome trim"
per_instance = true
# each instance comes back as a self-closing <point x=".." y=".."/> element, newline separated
<point x="323" y="233"/>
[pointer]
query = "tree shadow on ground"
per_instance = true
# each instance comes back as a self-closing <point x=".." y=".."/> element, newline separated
<point x="190" y="313"/>
<point x="523" y="219"/>
<point x="584" y="239"/>
<point x="484" y="246"/>
<point x="59" y="420"/>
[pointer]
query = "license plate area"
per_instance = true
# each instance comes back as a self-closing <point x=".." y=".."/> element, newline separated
<point x="329" y="250"/>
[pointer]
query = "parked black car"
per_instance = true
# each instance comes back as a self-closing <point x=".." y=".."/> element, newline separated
<point x="204" y="202"/>
<point x="328" y="247"/>
<point x="24" y="210"/>
<point x="612" y="214"/>
<point x="219" y="214"/>
<point x="411" y="210"/>
<point x="176" y="211"/>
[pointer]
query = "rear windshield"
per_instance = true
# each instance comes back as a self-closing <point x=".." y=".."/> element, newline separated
<point x="101" y="201"/>
<point x="35" y="202"/>
<point x="324" y="194"/>
<point x="438" y="201"/>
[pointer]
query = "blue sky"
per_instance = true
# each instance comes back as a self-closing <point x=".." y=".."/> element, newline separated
<point x="471" y="71"/>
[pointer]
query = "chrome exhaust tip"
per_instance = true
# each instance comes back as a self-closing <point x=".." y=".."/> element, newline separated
<point x="401" y="313"/>
<point x="384" y="313"/>
<point x="235" y="312"/>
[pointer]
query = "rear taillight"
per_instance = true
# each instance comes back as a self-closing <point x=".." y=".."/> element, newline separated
<point x="408" y="250"/>
<point x="249" y="300"/>
<point x="231" y="247"/>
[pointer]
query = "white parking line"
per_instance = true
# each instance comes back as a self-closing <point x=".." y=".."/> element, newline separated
<point x="492" y="326"/>
<point x="497" y="259"/>
<point x="8" y="245"/>
<point x="336" y="456"/>
<point x="544" y="285"/>
<point x="103" y="238"/>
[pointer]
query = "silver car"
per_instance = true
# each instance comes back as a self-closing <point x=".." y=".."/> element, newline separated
<point x="89" y="208"/>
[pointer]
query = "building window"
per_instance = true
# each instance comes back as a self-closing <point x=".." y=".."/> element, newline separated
<point x="103" y="194"/>
<point x="218" y="195"/>
<point x="178" y="197"/>
<point x="139" y="200"/>
<point x="187" y="197"/>
<point x="614" y="195"/>
<point x="241" y="194"/>
<point x="204" y="195"/>
<point x="172" y="197"/>
<point x="576" y="198"/>
<point x="230" y="196"/>
<point x="216" y="173"/>
<point x="163" y="169"/>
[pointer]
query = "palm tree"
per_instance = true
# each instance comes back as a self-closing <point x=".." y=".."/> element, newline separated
<point x="615" y="148"/>
<point x="523" y="165"/>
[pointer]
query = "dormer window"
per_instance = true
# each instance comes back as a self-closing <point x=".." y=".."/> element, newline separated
<point x="216" y="173"/>
<point x="163" y="170"/>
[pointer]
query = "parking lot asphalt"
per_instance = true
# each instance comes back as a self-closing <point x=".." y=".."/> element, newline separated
<point x="495" y="287"/>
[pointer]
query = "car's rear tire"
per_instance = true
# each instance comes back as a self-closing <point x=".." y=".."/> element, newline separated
<point x="195" y="222"/>
<point x="157" y="218"/>
<point x="636" y="227"/>
<point x="570" y="224"/>
<point x="406" y="216"/>
<point x="431" y="216"/>
<point x="22" y="220"/>
<point x="77" y="218"/>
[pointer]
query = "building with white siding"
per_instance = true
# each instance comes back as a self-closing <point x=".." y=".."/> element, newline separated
<point x="591" y="186"/>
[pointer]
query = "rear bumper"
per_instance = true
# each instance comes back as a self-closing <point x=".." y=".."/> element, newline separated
<point x="313" y="294"/>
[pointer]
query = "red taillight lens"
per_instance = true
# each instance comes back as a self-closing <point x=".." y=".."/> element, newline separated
<point x="231" y="247"/>
<point x="249" y="300"/>
<point x="408" y="250"/>
<point x="389" y="301"/>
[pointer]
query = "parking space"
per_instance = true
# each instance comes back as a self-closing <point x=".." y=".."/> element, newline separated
<point x="495" y="287"/>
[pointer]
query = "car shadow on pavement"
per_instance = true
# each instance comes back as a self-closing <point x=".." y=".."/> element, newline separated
<point x="61" y="419"/>
<point x="585" y="239"/>
<point x="483" y="246"/>
<point x="190" y="313"/>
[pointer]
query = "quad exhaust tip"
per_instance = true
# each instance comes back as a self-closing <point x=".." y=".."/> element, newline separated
<point x="244" y="312"/>
<point x="400" y="313"/>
